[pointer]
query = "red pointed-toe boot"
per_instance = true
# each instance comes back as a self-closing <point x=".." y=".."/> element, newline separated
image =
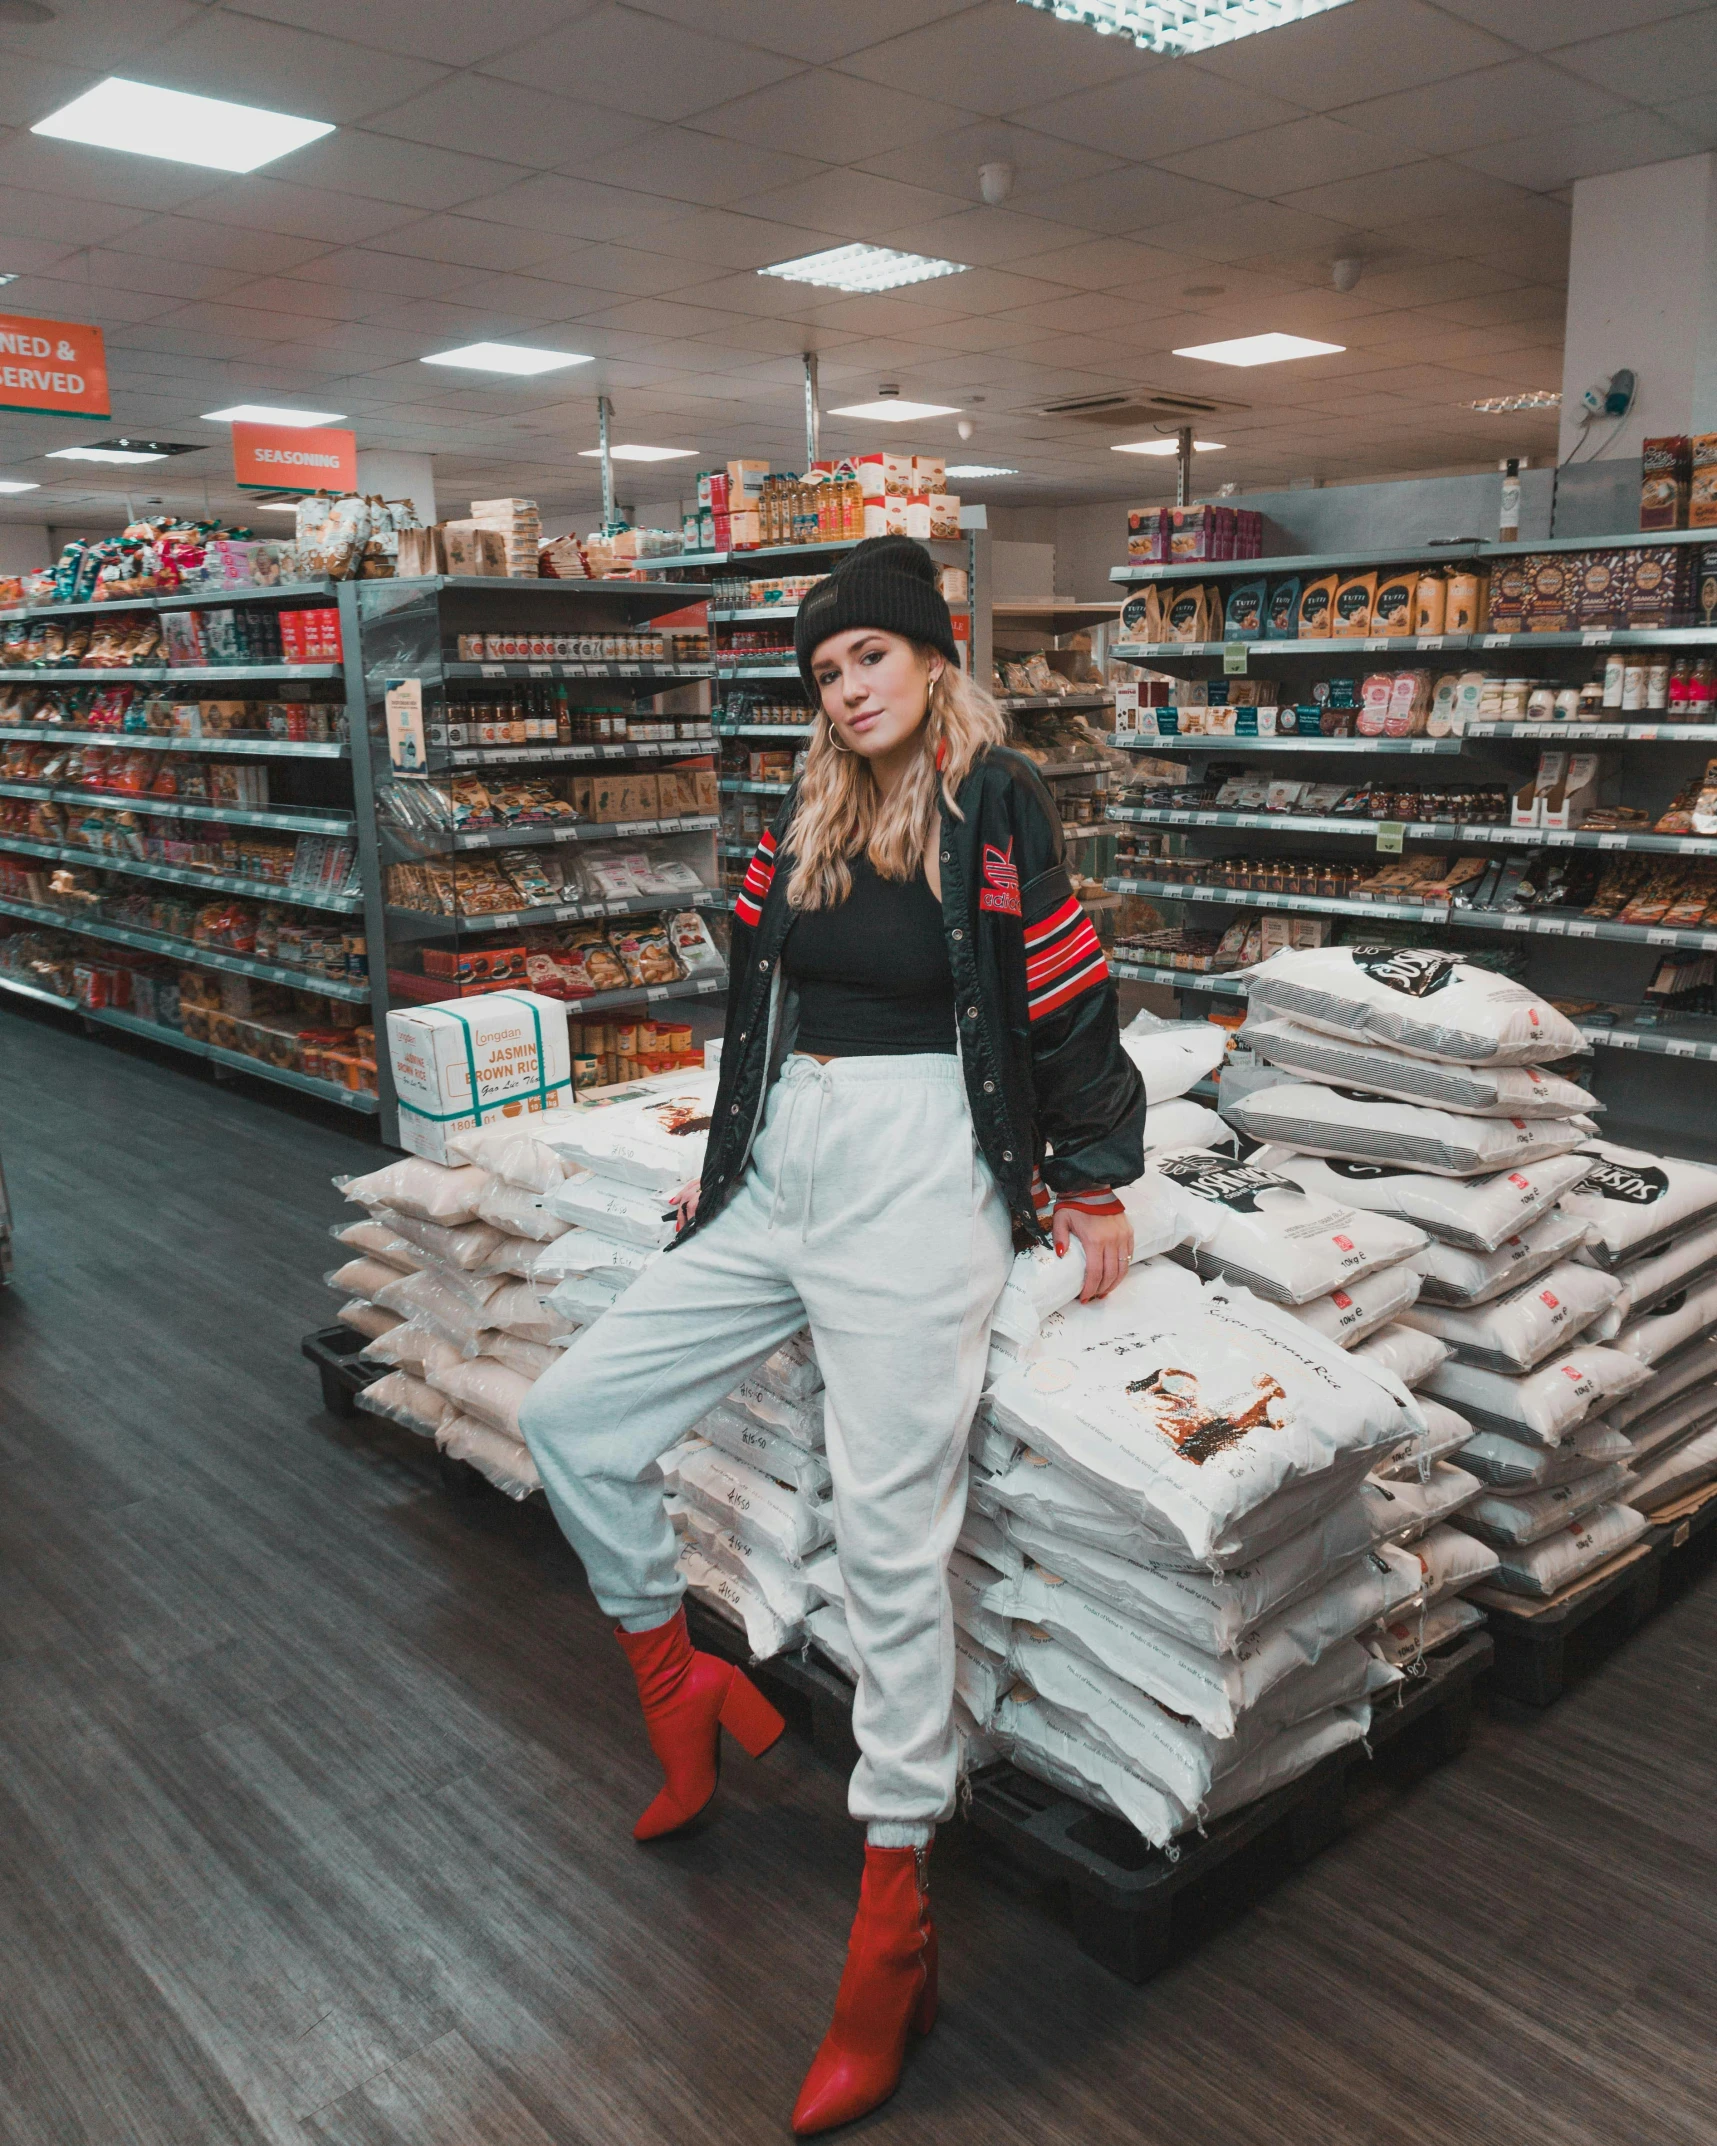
<point x="887" y="1994"/>
<point x="689" y="1698"/>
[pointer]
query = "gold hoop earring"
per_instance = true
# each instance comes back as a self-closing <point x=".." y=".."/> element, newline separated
<point x="835" y="744"/>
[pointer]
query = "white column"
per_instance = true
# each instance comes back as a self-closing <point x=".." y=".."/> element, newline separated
<point x="24" y="546"/>
<point x="1642" y="293"/>
<point x="388" y="475"/>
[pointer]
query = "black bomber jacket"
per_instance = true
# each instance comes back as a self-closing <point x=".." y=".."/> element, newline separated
<point x="1038" y="1024"/>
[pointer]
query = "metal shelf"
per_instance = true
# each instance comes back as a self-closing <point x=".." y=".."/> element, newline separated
<point x="578" y="831"/>
<point x="160" y="675"/>
<point x="261" y="890"/>
<point x="422" y="924"/>
<point x="186" y="950"/>
<point x="458" y="756"/>
<point x="756" y="670"/>
<point x="729" y="787"/>
<point x="1311" y="904"/>
<point x="314" y="592"/>
<point x="144" y="741"/>
<point x="1361" y="556"/>
<point x="764" y="730"/>
<point x="545" y="585"/>
<point x="1399" y="644"/>
<point x="1049" y="769"/>
<point x="422" y="990"/>
<point x="1024" y="703"/>
<point x="1180" y="742"/>
<point x="736" y="618"/>
<point x="158" y="1032"/>
<point x="309" y="821"/>
<point x="1136" y="972"/>
<point x="1662" y="730"/>
<point x="574" y="667"/>
<point x="1419" y="830"/>
<point x="1653" y="1041"/>
<point x="765" y="551"/>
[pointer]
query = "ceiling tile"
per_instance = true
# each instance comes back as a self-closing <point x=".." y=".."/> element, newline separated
<point x="951" y="160"/>
<point x="261" y="204"/>
<point x="1494" y="105"/>
<point x="482" y="116"/>
<point x="661" y="317"/>
<point x="449" y="31"/>
<point x="620" y="271"/>
<point x="576" y="208"/>
<point x="1354" y="52"/>
<point x="354" y="161"/>
<point x="92" y="35"/>
<point x="1136" y="198"/>
<point x="1155" y="113"/>
<point x="984" y="238"/>
<point x="1430" y="188"/>
<point x="223" y="54"/>
<point x="395" y="275"/>
<point x="69" y="171"/>
<point x="114" y="269"/>
<point x="57" y="298"/>
<point x="700" y="168"/>
<point x="997" y="58"/>
<point x="1653" y="64"/>
<point x="30" y="256"/>
<point x="725" y="239"/>
<point x="183" y="238"/>
<point x="47" y="217"/>
<point x="466" y="242"/>
<point x="809" y="30"/>
<point x="1097" y="264"/>
<point x="31" y="89"/>
<point x="1542" y="161"/>
<point x="1260" y="230"/>
<point x="827" y="116"/>
<point x="1305" y="152"/>
<point x="1541" y="24"/>
<point x="1436" y="283"/>
<point x="661" y="69"/>
<point x="852" y="204"/>
<point x="249" y="324"/>
<point x="310" y="301"/>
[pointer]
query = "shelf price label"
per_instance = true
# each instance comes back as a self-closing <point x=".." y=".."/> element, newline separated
<point x="1390" y="835"/>
<point x="1596" y="637"/>
<point x="1679" y="1047"/>
<point x="1583" y="930"/>
<point x="1234" y="659"/>
<point x="1498" y="640"/>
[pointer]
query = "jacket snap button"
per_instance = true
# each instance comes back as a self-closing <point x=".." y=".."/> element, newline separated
<point x="733" y="1110"/>
<point x="947" y="856"/>
<point x="989" y="1087"/>
<point x="959" y="934"/>
<point x="1007" y="1154"/>
<point x="743" y="1033"/>
<point x="764" y="966"/>
<point x="971" y="1013"/>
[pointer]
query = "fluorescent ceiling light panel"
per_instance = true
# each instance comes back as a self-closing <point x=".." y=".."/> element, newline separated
<point x="1261" y="350"/>
<point x="639" y="454"/>
<point x="896" y="410"/>
<point x="144" y="120"/>
<point x="14" y="484"/>
<point x="262" y="413"/>
<point x="273" y="506"/>
<point x="102" y="454"/>
<point x="1177" y="26"/>
<point x="979" y="469"/>
<point x="515" y="358"/>
<point x="1169" y="445"/>
<point x="8" y="279"/>
<point x="863" y="268"/>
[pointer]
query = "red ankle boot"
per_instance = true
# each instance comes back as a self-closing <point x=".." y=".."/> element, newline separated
<point x="688" y="1698"/>
<point x="887" y="1993"/>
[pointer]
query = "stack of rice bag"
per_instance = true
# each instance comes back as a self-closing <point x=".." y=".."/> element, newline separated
<point x="1171" y="1487"/>
<point x="1407" y="1082"/>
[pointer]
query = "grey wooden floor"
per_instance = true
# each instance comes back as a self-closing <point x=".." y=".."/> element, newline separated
<point x="315" y="1786"/>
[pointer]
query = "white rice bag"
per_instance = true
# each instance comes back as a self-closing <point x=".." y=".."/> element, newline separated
<point x="1405" y="1352"/>
<point x="432" y="1300"/>
<point x="1687" y="1468"/>
<point x="1059" y="1748"/>
<point x="515" y="1155"/>
<point x="430" y="1191"/>
<point x="754" y="1505"/>
<point x="1672" y="1425"/>
<point x="1347" y="1123"/>
<point x="800" y="1420"/>
<point x="792" y="1370"/>
<point x="505" y="1461"/>
<point x="1288" y="1754"/>
<point x="1483" y="1091"/>
<point x="1508" y="1517"/>
<point x="1457" y="1276"/>
<point x="980" y="1676"/>
<point x="797" y="1466"/>
<point x="1444" y="1435"/>
<point x="411" y="1347"/>
<point x="486" y="1389"/>
<point x="1424" y="1002"/>
<point x="614" y="1209"/>
<point x="655" y="1140"/>
<point x="1172" y="1056"/>
<point x="967" y="1579"/>
<point x="1450" y="1561"/>
<point x="826" y="1628"/>
<point x="1405" y="1639"/>
<point x="1508" y="1464"/>
<point x="1269" y="1234"/>
<point x="518" y="1213"/>
<point x="1517" y="1332"/>
<point x="1544" y="1568"/>
<point x="405" y="1400"/>
<point x="1676" y="1321"/>
<point x="365" y="1276"/>
<point x="1349" y="1314"/>
<point x="1478" y="1212"/>
<point x="379" y="1241"/>
<point x="1694" y="1365"/>
<point x="1543" y="1406"/>
<point x="1635" y="1201"/>
<point x="740" y="1601"/>
<point x="1042" y="1281"/>
<point x="1404" y="1507"/>
<point x="1185" y="1124"/>
<point x="788" y="1589"/>
<point x="461" y="1247"/>
<point x="1684" y="1260"/>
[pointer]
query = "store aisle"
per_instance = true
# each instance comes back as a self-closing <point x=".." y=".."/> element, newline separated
<point x="315" y="1786"/>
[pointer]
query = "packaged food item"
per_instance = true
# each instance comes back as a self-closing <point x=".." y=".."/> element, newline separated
<point x="646" y="954"/>
<point x="1544" y="1568"/>
<point x="1702" y="484"/>
<point x="1392" y="606"/>
<point x="1635" y="1201"/>
<point x="505" y="1052"/>
<point x="1485" y="1091"/>
<point x="1430" y="599"/>
<point x="1478" y="1213"/>
<point x="1282" y="621"/>
<point x="1542" y="1407"/>
<point x="1666" y="475"/>
<point x="1517" y="1331"/>
<point x="1456" y="1276"/>
<point x="1348" y="1123"/>
<point x="689" y="937"/>
<point x="1350" y="607"/>
<point x="1315" y="617"/>
<point x="1421" y="1001"/>
<point x="1463" y="601"/>
<point x="1243" y="620"/>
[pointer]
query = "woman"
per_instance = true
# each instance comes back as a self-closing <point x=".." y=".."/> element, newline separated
<point x="918" y="1004"/>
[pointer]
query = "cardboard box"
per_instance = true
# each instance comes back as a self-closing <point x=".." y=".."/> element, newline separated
<point x="929" y="473"/>
<point x="581" y="795"/>
<point x="1574" y="792"/>
<point x="504" y="1054"/>
<point x="1658" y="585"/>
<point x="708" y="797"/>
<point x="1509" y="584"/>
<point x="886" y="516"/>
<point x="745" y="484"/>
<point x="1601" y="582"/>
<point x="1550" y="592"/>
<point x="1702" y="491"/>
<point x="472" y="549"/>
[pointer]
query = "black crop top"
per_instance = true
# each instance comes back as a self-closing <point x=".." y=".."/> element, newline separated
<point x="872" y="974"/>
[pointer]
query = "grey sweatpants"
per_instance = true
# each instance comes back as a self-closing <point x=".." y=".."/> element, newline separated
<point x="867" y="1209"/>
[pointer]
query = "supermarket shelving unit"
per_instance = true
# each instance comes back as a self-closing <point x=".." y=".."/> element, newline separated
<point x="328" y="794"/>
<point x="403" y="630"/>
<point x="1569" y="955"/>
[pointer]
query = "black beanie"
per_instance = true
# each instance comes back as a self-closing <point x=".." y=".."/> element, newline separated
<point x="888" y="582"/>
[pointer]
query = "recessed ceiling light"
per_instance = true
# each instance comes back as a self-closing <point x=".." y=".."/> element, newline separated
<point x="863" y="268"/>
<point x="515" y="358"/>
<point x="1176" y="26"/>
<point x="262" y="413"/>
<point x="9" y="279"/>
<point x="272" y="506"/>
<point x="106" y="454"/>
<point x="979" y="469"/>
<point x="1261" y="350"/>
<point x="1169" y="445"/>
<point x="15" y="484"/>
<point x="145" y="120"/>
<point x="895" y="410"/>
<point x="639" y="454"/>
<point x="1536" y="398"/>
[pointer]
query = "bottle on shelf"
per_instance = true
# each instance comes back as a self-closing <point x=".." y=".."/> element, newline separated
<point x="1508" y="528"/>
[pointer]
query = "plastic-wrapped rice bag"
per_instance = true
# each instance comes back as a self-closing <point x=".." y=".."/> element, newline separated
<point x="1485" y="1090"/>
<point x="1522" y="1516"/>
<point x="1636" y="1201"/>
<point x="655" y="1140"/>
<point x="1172" y="1056"/>
<point x="1517" y="1332"/>
<point x="1451" y="1561"/>
<point x="1477" y="1212"/>
<point x="1508" y="1464"/>
<point x="1542" y="1407"/>
<point x="1403" y="1508"/>
<point x="1405" y="1352"/>
<point x="1545" y="1567"/>
<point x="1347" y="1315"/>
<point x="1424" y="1002"/>
<point x="429" y="1191"/>
<point x="1457" y="1276"/>
<point x="1357" y="1127"/>
<point x="505" y="1461"/>
<point x="405" y="1400"/>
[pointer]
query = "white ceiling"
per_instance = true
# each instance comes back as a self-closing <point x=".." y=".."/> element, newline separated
<point x="609" y="177"/>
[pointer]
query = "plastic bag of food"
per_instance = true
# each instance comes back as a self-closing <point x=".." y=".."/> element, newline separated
<point x="1454" y="1275"/>
<point x="1523" y="1516"/>
<point x="486" y="1389"/>
<point x="613" y="1208"/>
<point x="1403" y="1640"/>
<point x="1542" y="1407"/>
<point x="462" y="1247"/>
<point x="1517" y="1332"/>
<point x="429" y="1191"/>
<point x="1687" y="1468"/>
<point x="378" y="1241"/>
<point x="654" y="1140"/>
<point x="1485" y="1091"/>
<point x="1507" y="1464"/>
<point x="512" y="1151"/>
<point x="647" y="956"/>
<point x="1476" y="1212"/>
<point x="690" y="941"/>
<point x="796" y="1466"/>
<point x="784" y="1588"/>
<point x="1172" y="1056"/>
<point x="411" y="1347"/>
<point x="1357" y="1127"/>
<point x="1347" y="1316"/>
<point x="364" y="1277"/>
<point x="1451" y="1561"/>
<point x="1671" y="1325"/>
<point x="1635" y="1200"/>
<point x="1404" y="1352"/>
<point x="1424" y="1002"/>
<point x="1404" y="1507"/>
<point x="1270" y="1234"/>
<point x="405" y="1400"/>
<point x="1545" y="1567"/>
<point x="371" y="1320"/>
<point x="757" y="1508"/>
<point x="517" y="1213"/>
<point x="1445" y="1435"/>
<point x="1042" y="1282"/>
<point x="1686" y="1259"/>
<point x="505" y="1461"/>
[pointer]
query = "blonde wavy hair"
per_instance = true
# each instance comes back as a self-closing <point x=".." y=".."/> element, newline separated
<point x="841" y="812"/>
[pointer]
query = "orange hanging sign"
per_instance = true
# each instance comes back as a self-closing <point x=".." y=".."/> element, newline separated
<point x="54" y="365"/>
<point x="294" y="458"/>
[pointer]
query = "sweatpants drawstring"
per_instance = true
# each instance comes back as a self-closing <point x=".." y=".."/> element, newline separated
<point x="822" y="1078"/>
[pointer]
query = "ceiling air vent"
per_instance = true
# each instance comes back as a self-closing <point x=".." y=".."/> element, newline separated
<point x="1138" y="406"/>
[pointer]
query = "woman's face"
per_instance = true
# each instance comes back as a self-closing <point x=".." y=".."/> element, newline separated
<point x="874" y="688"/>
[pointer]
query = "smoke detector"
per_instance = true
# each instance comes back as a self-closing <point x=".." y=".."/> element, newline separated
<point x="996" y="181"/>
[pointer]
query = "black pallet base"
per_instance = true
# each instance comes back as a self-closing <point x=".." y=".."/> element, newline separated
<point x="1541" y="1651"/>
<point x="1132" y="1905"/>
<point x="334" y="1352"/>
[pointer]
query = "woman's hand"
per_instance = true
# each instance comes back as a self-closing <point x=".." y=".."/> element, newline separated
<point x="1108" y="1242"/>
<point x="684" y="1203"/>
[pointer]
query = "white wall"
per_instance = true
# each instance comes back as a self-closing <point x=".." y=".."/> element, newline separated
<point x="24" y="545"/>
